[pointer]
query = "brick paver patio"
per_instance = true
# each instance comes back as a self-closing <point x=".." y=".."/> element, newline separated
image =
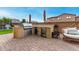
<point x="35" y="43"/>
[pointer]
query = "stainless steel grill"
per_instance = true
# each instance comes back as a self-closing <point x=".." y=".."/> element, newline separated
<point x="27" y="26"/>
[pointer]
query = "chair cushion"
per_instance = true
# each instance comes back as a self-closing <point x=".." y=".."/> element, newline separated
<point x="73" y="32"/>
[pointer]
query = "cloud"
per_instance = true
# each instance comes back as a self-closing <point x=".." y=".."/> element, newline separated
<point x="4" y="13"/>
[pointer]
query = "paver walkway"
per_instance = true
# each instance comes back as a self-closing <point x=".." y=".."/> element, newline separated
<point x="5" y="38"/>
<point x="35" y="43"/>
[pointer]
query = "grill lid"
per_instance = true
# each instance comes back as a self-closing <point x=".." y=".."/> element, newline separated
<point x="27" y="25"/>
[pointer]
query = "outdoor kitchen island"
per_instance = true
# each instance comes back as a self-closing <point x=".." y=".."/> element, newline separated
<point x="22" y="30"/>
<point x="42" y="29"/>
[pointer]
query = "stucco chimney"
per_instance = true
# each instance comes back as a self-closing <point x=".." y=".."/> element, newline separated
<point x="44" y="16"/>
<point x="29" y="18"/>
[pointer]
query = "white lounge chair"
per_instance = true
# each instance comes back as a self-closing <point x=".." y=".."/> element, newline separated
<point x="71" y="34"/>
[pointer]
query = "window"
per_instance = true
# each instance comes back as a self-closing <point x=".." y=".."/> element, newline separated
<point x="68" y="17"/>
<point x="59" y="18"/>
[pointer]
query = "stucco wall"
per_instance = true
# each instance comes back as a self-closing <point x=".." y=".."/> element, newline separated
<point x="62" y="18"/>
<point x="63" y="25"/>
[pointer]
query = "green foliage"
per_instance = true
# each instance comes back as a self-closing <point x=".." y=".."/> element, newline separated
<point x="0" y="20"/>
<point x="6" y="20"/>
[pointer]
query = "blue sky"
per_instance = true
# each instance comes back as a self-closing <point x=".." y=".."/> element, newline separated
<point x="36" y="12"/>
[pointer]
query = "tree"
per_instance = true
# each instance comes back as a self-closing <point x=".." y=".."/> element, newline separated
<point x="0" y="20"/>
<point x="6" y="20"/>
<point x="0" y="23"/>
<point x="23" y="21"/>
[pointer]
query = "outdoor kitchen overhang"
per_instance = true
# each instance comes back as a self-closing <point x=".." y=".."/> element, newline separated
<point x="42" y="25"/>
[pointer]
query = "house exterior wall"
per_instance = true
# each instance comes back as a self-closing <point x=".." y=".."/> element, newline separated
<point x="62" y="18"/>
<point x="63" y="25"/>
<point x="52" y="19"/>
<point x="77" y="25"/>
<point x="77" y="19"/>
<point x="67" y="17"/>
